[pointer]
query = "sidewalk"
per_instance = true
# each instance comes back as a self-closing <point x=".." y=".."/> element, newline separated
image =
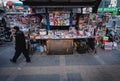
<point x="103" y="66"/>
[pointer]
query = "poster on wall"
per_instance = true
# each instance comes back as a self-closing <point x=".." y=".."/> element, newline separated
<point x="87" y="10"/>
<point x="40" y="10"/>
<point x="59" y="18"/>
<point x="76" y="10"/>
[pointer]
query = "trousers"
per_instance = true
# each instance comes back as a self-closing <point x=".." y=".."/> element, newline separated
<point x="18" y="52"/>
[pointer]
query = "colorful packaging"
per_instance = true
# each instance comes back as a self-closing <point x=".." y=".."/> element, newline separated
<point x="108" y="45"/>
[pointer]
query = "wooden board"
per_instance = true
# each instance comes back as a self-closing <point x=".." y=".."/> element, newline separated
<point x="61" y="46"/>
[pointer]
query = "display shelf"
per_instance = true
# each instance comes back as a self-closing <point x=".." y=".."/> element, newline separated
<point x="59" y="27"/>
<point x="59" y="19"/>
<point x="1" y="35"/>
<point x="1" y="31"/>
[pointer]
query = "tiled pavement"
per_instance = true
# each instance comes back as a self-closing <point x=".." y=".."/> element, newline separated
<point x="104" y="66"/>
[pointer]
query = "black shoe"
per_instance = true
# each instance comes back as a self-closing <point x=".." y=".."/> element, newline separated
<point x="28" y="61"/>
<point x="12" y="61"/>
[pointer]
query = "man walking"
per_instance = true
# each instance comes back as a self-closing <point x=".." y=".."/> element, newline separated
<point x="20" y="45"/>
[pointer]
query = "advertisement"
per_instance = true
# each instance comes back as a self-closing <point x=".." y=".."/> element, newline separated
<point x="59" y="18"/>
<point x="87" y="10"/>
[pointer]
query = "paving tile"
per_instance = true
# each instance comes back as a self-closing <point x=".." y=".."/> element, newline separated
<point x="50" y="60"/>
<point x="104" y="66"/>
<point x="81" y="60"/>
<point x="106" y="77"/>
<point x="111" y="58"/>
<point x="54" y="77"/>
<point x="3" y="77"/>
<point x="74" y="77"/>
<point x="5" y="55"/>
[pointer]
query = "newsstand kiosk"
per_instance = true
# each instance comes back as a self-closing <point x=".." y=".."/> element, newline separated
<point x="66" y="21"/>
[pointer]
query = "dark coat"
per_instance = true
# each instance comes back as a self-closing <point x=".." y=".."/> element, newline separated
<point x="20" y="43"/>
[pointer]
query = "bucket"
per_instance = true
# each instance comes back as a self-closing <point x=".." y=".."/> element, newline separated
<point x="38" y="48"/>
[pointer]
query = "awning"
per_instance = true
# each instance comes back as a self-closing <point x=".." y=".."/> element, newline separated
<point x="63" y="3"/>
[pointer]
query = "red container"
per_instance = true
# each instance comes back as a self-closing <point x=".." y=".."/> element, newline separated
<point x="103" y="41"/>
